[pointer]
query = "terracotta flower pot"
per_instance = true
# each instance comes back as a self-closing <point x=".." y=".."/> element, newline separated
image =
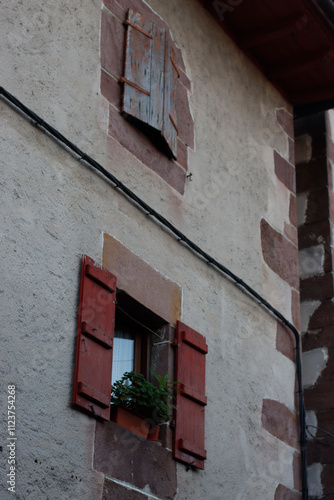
<point x="134" y="423"/>
<point x="153" y="434"/>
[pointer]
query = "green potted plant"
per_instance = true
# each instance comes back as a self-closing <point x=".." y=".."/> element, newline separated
<point x="139" y="405"/>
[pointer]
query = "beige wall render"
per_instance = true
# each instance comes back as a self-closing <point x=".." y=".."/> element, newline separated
<point x="55" y="209"/>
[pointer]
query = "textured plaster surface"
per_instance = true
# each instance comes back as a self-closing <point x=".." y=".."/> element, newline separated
<point x="301" y="208"/>
<point x="314" y="480"/>
<point x="55" y="210"/>
<point x="314" y="362"/>
<point x="307" y="310"/>
<point x="303" y="148"/>
<point x="330" y="123"/>
<point x="311" y="261"/>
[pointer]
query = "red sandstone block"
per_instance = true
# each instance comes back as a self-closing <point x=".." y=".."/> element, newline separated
<point x="323" y="337"/>
<point x="291" y="233"/>
<point x="320" y="451"/>
<point x="320" y="397"/>
<point x="179" y="59"/>
<point x="295" y="309"/>
<point x="134" y="460"/>
<point x="143" y="148"/>
<point x="115" y="8"/>
<point x="317" y="205"/>
<point x="111" y="89"/>
<point x="182" y="154"/>
<point x="293" y="209"/>
<point x="280" y="422"/>
<point x="325" y="421"/>
<point x="280" y="254"/>
<point x="317" y="288"/>
<point x="313" y="234"/>
<point x="145" y="10"/>
<point x="285" y="172"/>
<point x="297" y="471"/>
<point x="291" y="151"/>
<point x="323" y="316"/>
<point x="327" y="374"/>
<point x="185" y="122"/>
<point x="285" y="341"/>
<point x="283" y="493"/>
<point x="112" y="45"/>
<point x="312" y="174"/>
<point x="184" y="80"/>
<point x="115" y="491"/>
<point x="285" y="119"/>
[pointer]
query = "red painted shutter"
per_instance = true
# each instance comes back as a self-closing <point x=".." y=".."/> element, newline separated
<point x="95" y="334"/>
<point x="191" y="349"/>
<point x="150" y="77"/>
<point x="170" y="131"/>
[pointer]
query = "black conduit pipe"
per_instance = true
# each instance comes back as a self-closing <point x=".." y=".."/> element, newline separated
<point x="130" y="195"/>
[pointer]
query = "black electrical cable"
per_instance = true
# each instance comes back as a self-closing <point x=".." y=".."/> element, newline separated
<point x="192" y="246"/>
<point x="321" y="430"/>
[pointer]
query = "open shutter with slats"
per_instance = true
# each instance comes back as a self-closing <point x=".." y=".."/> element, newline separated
<point x="170" y="130"/>
<point x="150" y="77"/>
<point x="190" y="401"/>
<point x="95" y="334"/>
<point x="143" y="70"/>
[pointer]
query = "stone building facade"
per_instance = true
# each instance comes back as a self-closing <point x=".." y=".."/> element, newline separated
<point x="187" y="209"/>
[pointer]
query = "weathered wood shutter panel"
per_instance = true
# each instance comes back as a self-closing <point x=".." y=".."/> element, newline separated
<point x="170" y="130"/>
<point x="157" y="78"/>
<point x="143" y="73"/>
<point x="150" y="77"/>
<point x="95" y="334"/>
<point x="189" y="430"/>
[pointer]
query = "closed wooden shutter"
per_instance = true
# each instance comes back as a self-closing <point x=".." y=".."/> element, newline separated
<point x="95" y="334"/>
<point x="190" y="401"/>
<point x="143" y="70"/>
<point x="150" y="78"/>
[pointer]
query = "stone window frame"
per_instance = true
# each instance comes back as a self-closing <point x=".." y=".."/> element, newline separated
<point x="112" y="48"/>
<point x="119" y="453"/>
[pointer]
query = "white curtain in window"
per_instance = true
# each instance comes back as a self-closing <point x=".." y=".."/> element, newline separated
<point x="123" y="354"/>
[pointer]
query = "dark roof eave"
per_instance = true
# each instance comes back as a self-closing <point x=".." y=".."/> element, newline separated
<point x="304" y="74"/>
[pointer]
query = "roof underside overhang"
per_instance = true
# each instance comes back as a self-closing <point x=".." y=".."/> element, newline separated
<point x="291" y="41"/>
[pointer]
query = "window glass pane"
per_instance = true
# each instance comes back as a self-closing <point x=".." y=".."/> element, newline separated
<point x="123" y="354"/>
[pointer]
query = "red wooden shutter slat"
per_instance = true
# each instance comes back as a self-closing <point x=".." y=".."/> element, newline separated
<point x="100" y="275"/>
<point x="170" y="115"/>
<point x="95" y="333"/>
<point x="195" y="339"/>
<point x="93" y="395"/>
<point x="100" y="337"/>
<point x="199" y="397"/>
<point x="190" y="402"/>
<point x="192" y="449"/>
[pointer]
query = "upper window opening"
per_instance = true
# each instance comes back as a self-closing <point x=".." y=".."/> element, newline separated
<point x="135" y="330"/>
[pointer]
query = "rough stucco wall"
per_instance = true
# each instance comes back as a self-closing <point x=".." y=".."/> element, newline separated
<point x="56" y="209"/>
